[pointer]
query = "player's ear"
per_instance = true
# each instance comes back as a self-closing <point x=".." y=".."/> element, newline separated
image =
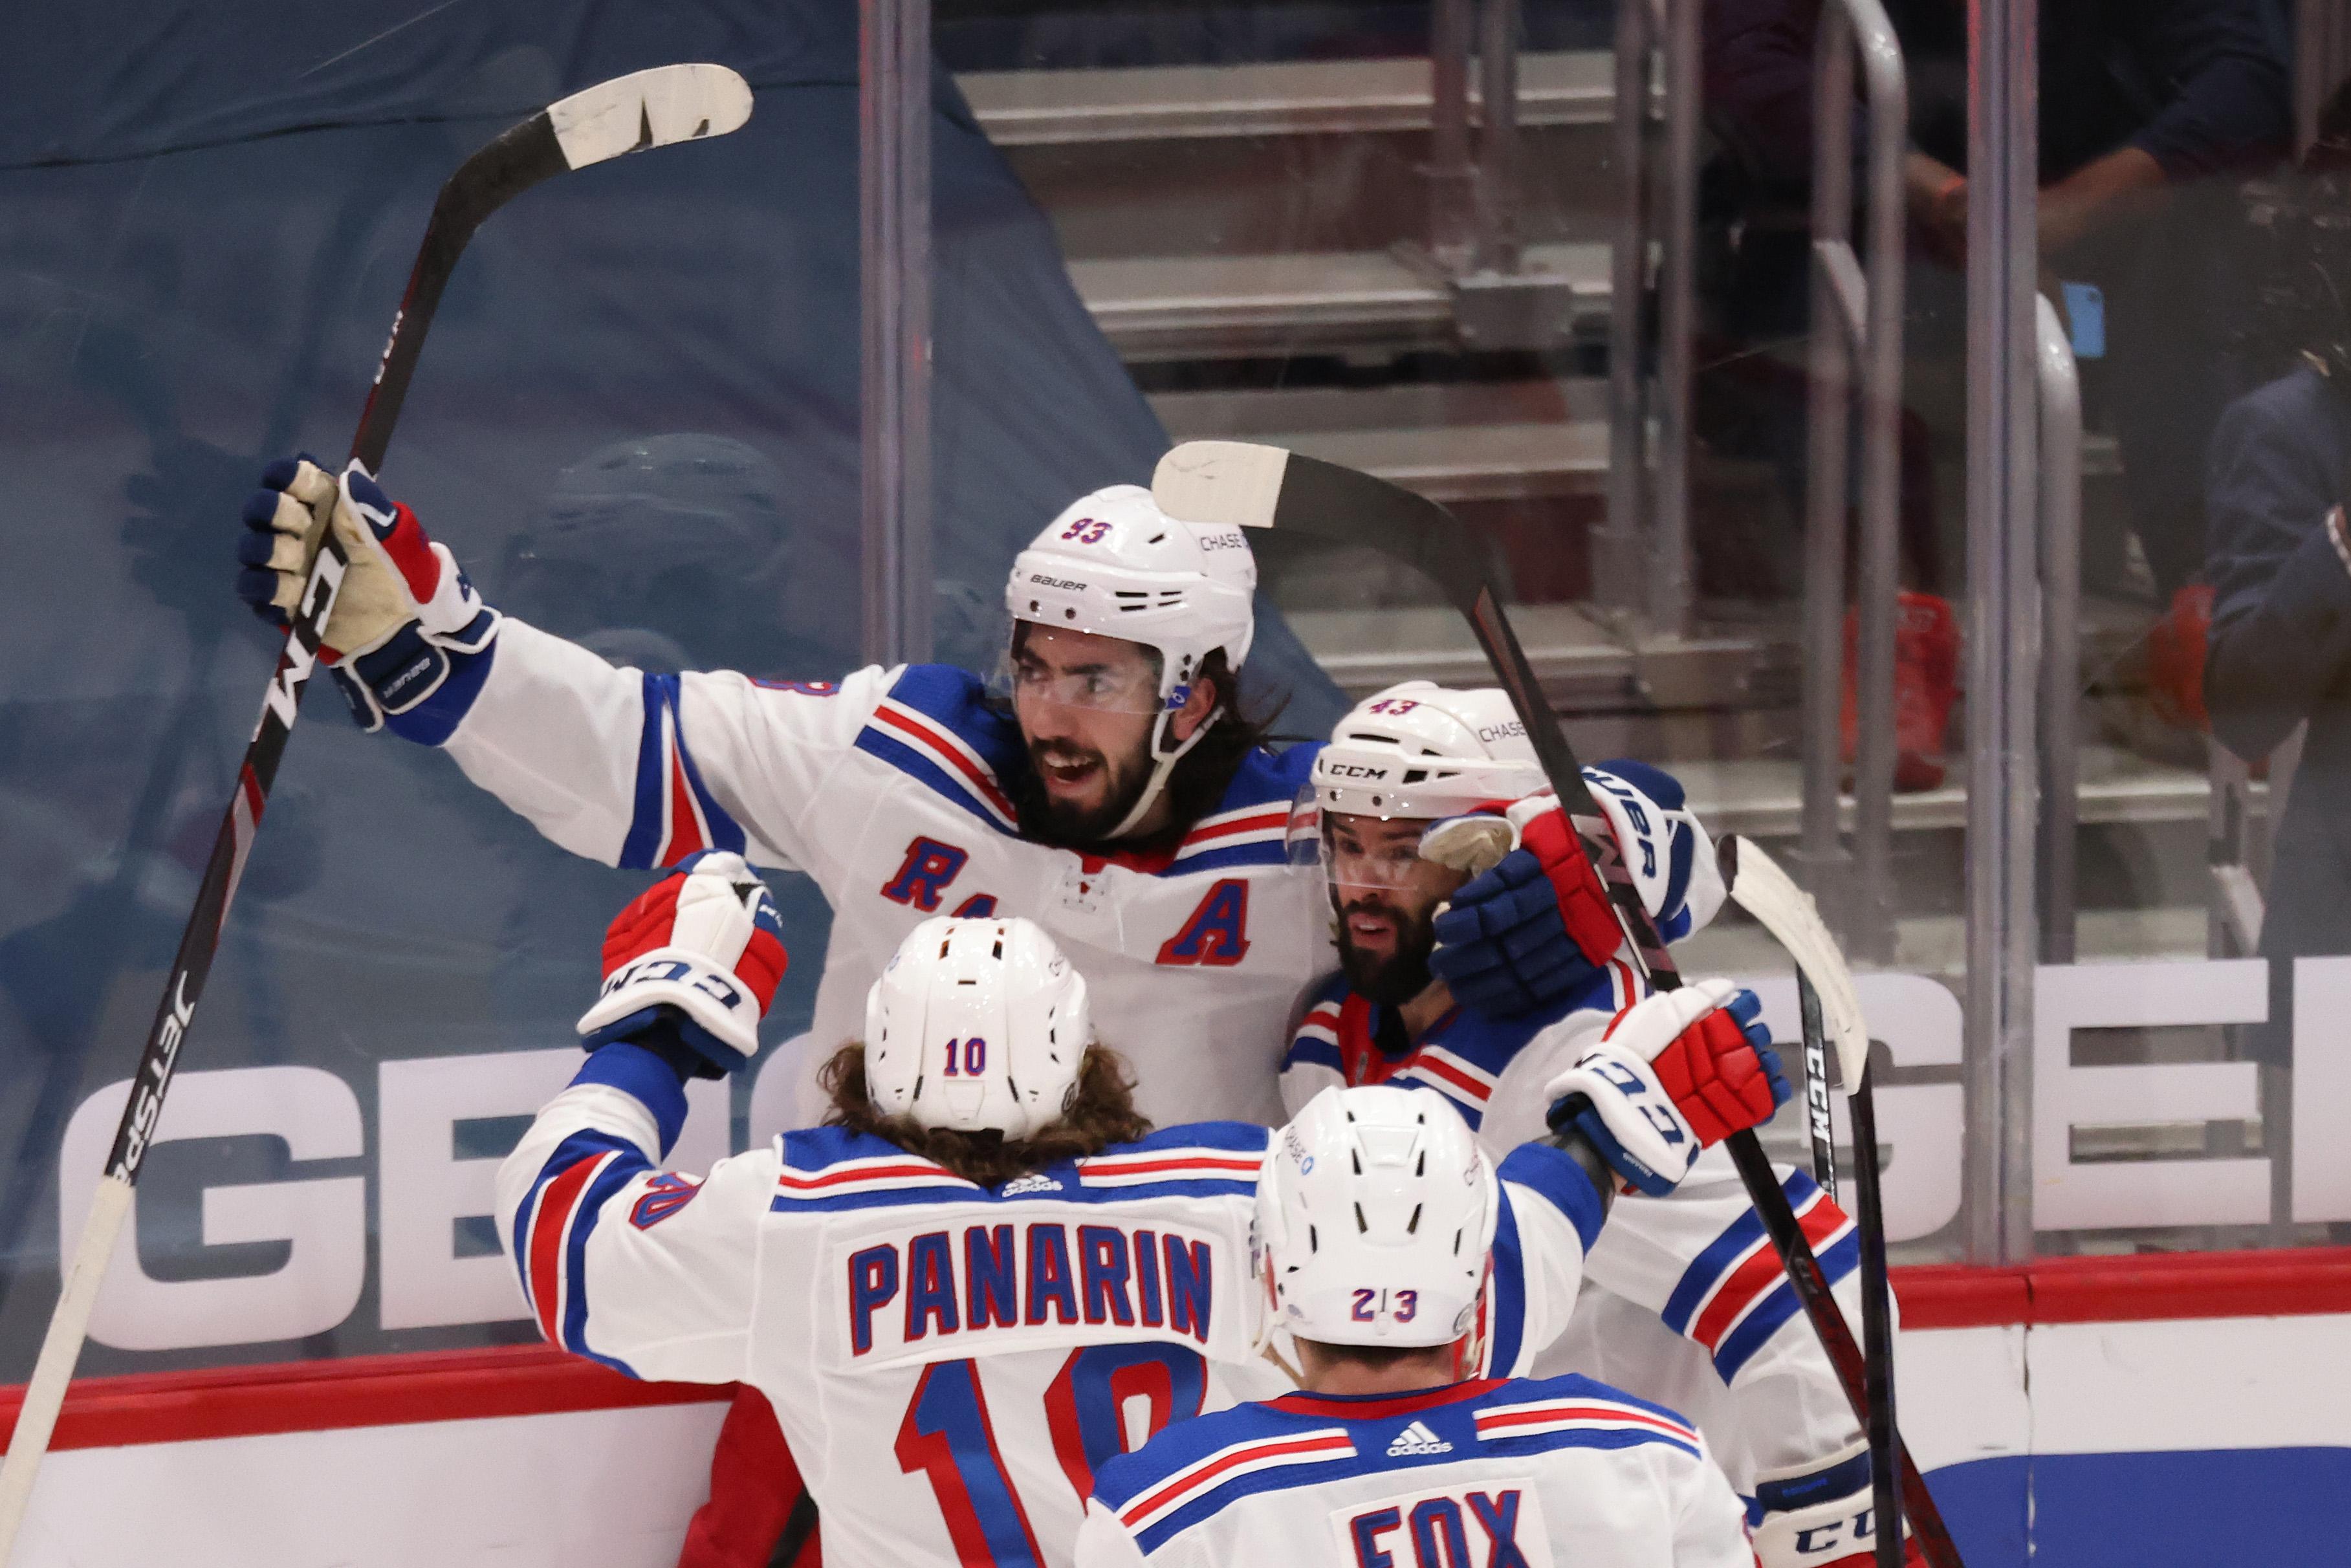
<point x="1206" y="691"/>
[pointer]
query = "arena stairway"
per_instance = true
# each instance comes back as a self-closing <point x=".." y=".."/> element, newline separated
<point x="1245" y="236"/>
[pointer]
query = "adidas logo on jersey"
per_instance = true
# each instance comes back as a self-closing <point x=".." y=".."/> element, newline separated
<point x="1415" y="1440"/>
<point x="1035" y="1181"/>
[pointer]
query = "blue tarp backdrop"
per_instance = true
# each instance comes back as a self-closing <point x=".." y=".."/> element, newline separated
<point x="636" y="422"/>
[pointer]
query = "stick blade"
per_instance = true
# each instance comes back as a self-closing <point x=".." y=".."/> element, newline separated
<point x="648" y="108"/>
<point x="1231" y="482"/>
<point x="1769" y="894"/>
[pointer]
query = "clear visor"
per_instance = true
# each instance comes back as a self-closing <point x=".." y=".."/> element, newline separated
<point x="1129" y="688"/>
<point x="1355" y="853"/>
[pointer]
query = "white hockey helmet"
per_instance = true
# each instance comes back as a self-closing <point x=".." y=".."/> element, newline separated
<point x="976" y="1025"/>
<point x="1419" y="750"/>
<point x="1374" y="1215"/>
<point x="1113" y="564"/>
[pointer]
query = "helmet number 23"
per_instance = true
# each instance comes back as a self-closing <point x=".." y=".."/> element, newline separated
<point x="1369" y="1304"/>
<point x="969" y="1055"/>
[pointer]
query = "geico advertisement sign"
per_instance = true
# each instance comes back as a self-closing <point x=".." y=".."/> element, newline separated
<point x="424" y="1191"/>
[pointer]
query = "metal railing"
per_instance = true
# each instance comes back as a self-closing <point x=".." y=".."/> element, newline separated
<point x="1475" y="247"/>
<point x="894" y="140"/>
<point x="2003" y="626"/>
<point x="1642" y="553"/>
<point x="2061" y="628"/>
<point x="1856" y="313"/>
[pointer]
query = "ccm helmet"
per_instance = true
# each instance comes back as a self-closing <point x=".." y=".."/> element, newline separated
<point x="1374" y="1213"/>
<point x="1418" y="750"/>
<point x="1115" y="564"/>
<point x="976" y="1025"/>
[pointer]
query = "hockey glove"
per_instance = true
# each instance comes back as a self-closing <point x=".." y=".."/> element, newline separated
<point x="1670" y="1076"/>
<point x="405" y="613"/>
<point x="690" y="966"/>
<point x="1534" y="925"/>
<point x="1823" y="1516"/>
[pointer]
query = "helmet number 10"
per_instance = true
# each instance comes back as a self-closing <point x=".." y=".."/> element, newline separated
<point x="1369" y="1304"/>
<point x="969" y="1056"/>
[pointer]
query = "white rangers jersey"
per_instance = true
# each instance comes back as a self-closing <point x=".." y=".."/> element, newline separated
<point x="950" y="1363"/>
<point x="1513" y="1473"/>
<point x="1696" y="1262"/>
<point x="886" y="788"/>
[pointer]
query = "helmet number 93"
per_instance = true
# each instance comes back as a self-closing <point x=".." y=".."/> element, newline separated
<point x="1369" y="1304"/>
<point x="969" y="1055"/>
<point x="1087" y="531"/>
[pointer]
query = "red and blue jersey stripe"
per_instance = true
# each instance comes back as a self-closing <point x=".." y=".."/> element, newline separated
<point x="552" y="1227"/>
<point x="833" y="1170"/>
<point x="674" y="814"/>
<point x="1734" y="1296"/>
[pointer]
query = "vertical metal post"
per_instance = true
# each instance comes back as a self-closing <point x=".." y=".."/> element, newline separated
<point x="1498" y="142"/>
<point x="1669" y="551"/>
<point x="1855" y="314"/>
<point x="1827" y="867"/>
<point x="1877" y="589"/>
<point x="1452" y="182"/>
<point x="894" y="166"/>
<point x="1617" y="548"/>
<point x="2003" y="627"/>
<point x="2061" y="645"/>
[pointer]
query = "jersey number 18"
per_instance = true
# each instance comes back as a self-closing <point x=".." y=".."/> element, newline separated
<point x="947" y="1436"/>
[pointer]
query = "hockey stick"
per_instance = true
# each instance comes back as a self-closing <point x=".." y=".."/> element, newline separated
<point x="1759" y="887"/>
<point x="1267" y="487"/>
<point x="1817" y="1087"/>
<point x="630" y="113"/>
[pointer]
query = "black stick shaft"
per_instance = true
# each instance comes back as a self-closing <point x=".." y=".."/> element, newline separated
<point x="194" y="962"/>
<point x="1817" y="1088"/>
<point x="518" y="158"/>
<point x="1877" y="1327"/>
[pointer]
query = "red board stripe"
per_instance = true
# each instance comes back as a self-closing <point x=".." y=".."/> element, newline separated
<point x="356" y="1391"/>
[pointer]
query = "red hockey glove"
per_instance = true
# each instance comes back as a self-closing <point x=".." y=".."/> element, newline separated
<point x="700" y="952"/>
<point x="1534" y="920"/>
<point x="1668" y="1077"/>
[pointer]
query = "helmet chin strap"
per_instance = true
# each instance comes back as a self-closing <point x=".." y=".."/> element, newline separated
<point x="1163" y="763"/>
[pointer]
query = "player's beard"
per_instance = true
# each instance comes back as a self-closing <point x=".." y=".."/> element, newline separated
<point x="1062" y="822"/>
<point x="1394" y="979"/>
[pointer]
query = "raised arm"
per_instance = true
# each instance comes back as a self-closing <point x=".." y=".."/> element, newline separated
<point x="652" y="1271"/>
<point x="629" y="768"/>
<point x="1641" y="1095"/>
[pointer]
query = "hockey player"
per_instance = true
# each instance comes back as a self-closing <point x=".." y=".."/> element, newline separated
<point x="1740" y="1353"/>
<point x="1120" y="799"/>
<point x="1388" y="1456"/>
<point x="960" y="1291"/>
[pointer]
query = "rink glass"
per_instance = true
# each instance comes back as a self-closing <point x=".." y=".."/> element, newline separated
<point x="637" y="426"/>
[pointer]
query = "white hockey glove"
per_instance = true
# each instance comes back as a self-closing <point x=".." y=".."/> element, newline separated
<point x="1668" y="1077"/>
<point x="690" y="966"/>
<point x="405" y="608"/>
<point x="1802" y="1528"/>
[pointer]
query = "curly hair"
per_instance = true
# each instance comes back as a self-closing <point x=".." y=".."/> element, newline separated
<point x="1101" y="1113"/>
